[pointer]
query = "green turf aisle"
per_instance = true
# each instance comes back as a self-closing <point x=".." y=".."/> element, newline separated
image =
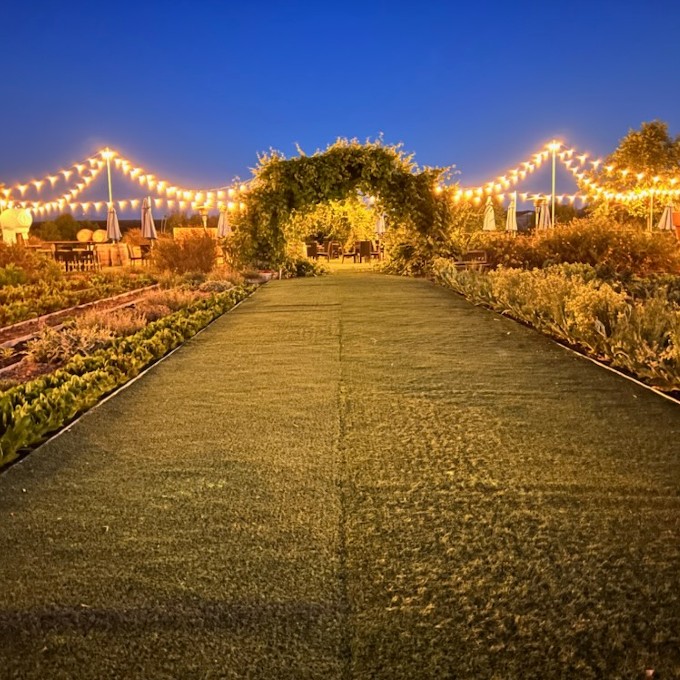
<point x="513" y="509"/>
<point x="189" y="527"/>
<point x="351" y="477"/>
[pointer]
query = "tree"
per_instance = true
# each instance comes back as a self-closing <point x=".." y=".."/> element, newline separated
<point x="63" y="228"/>
<point x="647" y="162"/>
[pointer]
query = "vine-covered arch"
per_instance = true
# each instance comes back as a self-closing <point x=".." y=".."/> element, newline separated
<point x="282" y="187"/>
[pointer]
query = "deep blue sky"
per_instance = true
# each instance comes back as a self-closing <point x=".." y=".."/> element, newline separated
<point x="193" y="90"/>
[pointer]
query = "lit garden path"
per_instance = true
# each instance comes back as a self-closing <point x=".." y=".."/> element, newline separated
<point x="351" y="477"/>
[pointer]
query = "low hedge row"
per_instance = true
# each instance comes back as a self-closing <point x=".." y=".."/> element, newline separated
<point x="640" y="336"/>
<point x="30" y="411"/>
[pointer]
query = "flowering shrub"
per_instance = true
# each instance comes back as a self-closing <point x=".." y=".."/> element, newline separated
<point x="615" y="251"/>
<point x="641" y="336"/>
<point x="194" y="252"/>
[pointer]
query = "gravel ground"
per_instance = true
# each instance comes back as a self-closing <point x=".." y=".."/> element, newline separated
<point x="355" y="476"/>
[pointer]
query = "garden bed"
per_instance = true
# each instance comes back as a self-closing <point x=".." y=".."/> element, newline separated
<point x="25" y="329"/>
<point x="28" y="301"/>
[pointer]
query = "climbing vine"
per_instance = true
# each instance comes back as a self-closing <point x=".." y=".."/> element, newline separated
<point x="283" y="188"/>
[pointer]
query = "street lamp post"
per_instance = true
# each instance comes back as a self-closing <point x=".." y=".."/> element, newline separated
<point x="553" y="146"/>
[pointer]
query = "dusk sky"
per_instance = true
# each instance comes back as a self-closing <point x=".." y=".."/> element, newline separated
<point x="194" y="90"/>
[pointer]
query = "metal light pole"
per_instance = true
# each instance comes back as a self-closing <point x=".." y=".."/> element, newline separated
<point x="553" y="146"/>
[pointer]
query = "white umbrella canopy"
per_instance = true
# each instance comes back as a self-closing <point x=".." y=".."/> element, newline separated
<point x="544" y="221"/>
<point x="112" y="226"/>
<point x="380" y="224"/>
<point x="223" y="227"/>
<point x="666" y="221"/>
<point x="511" y="218"/>
<point x="489" y="217"/>
<point x="148" y="227"/>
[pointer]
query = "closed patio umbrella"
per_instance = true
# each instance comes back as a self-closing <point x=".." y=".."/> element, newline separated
<point x="489" y="217"/>
<point x="380" y="224"/>
<point x="544" y="221"/>
<point x="666" y="221"/>
<point x="223" y="227"/>
<point x="148" y="227"/>
<point x="511" y="218"/>
<point x="112" y="226"/>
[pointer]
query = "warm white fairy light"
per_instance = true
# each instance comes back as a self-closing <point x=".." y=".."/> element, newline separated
<point x="171" y="196"/>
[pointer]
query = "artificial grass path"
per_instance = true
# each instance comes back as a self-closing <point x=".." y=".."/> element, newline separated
<point x="351" y="477"/>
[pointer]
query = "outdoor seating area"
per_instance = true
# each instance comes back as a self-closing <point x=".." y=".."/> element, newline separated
<point x="473" y="259"/>
<point x="360" y="251"/>
<point x="79" y="256"/>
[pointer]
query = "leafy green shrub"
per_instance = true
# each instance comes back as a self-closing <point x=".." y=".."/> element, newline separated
<point x="215" y="286"/>
<point x="503" y="250"/>
<point x="615" y="251"/>
<point x="194" y="252"/>
<point x="11" y="275"/>
<point x="643" y="288"/>
<point x="411" y="253"/>
<point x="20" y="265"/>
<point x="301" y="266"/>
<point x="192" y="280"/>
